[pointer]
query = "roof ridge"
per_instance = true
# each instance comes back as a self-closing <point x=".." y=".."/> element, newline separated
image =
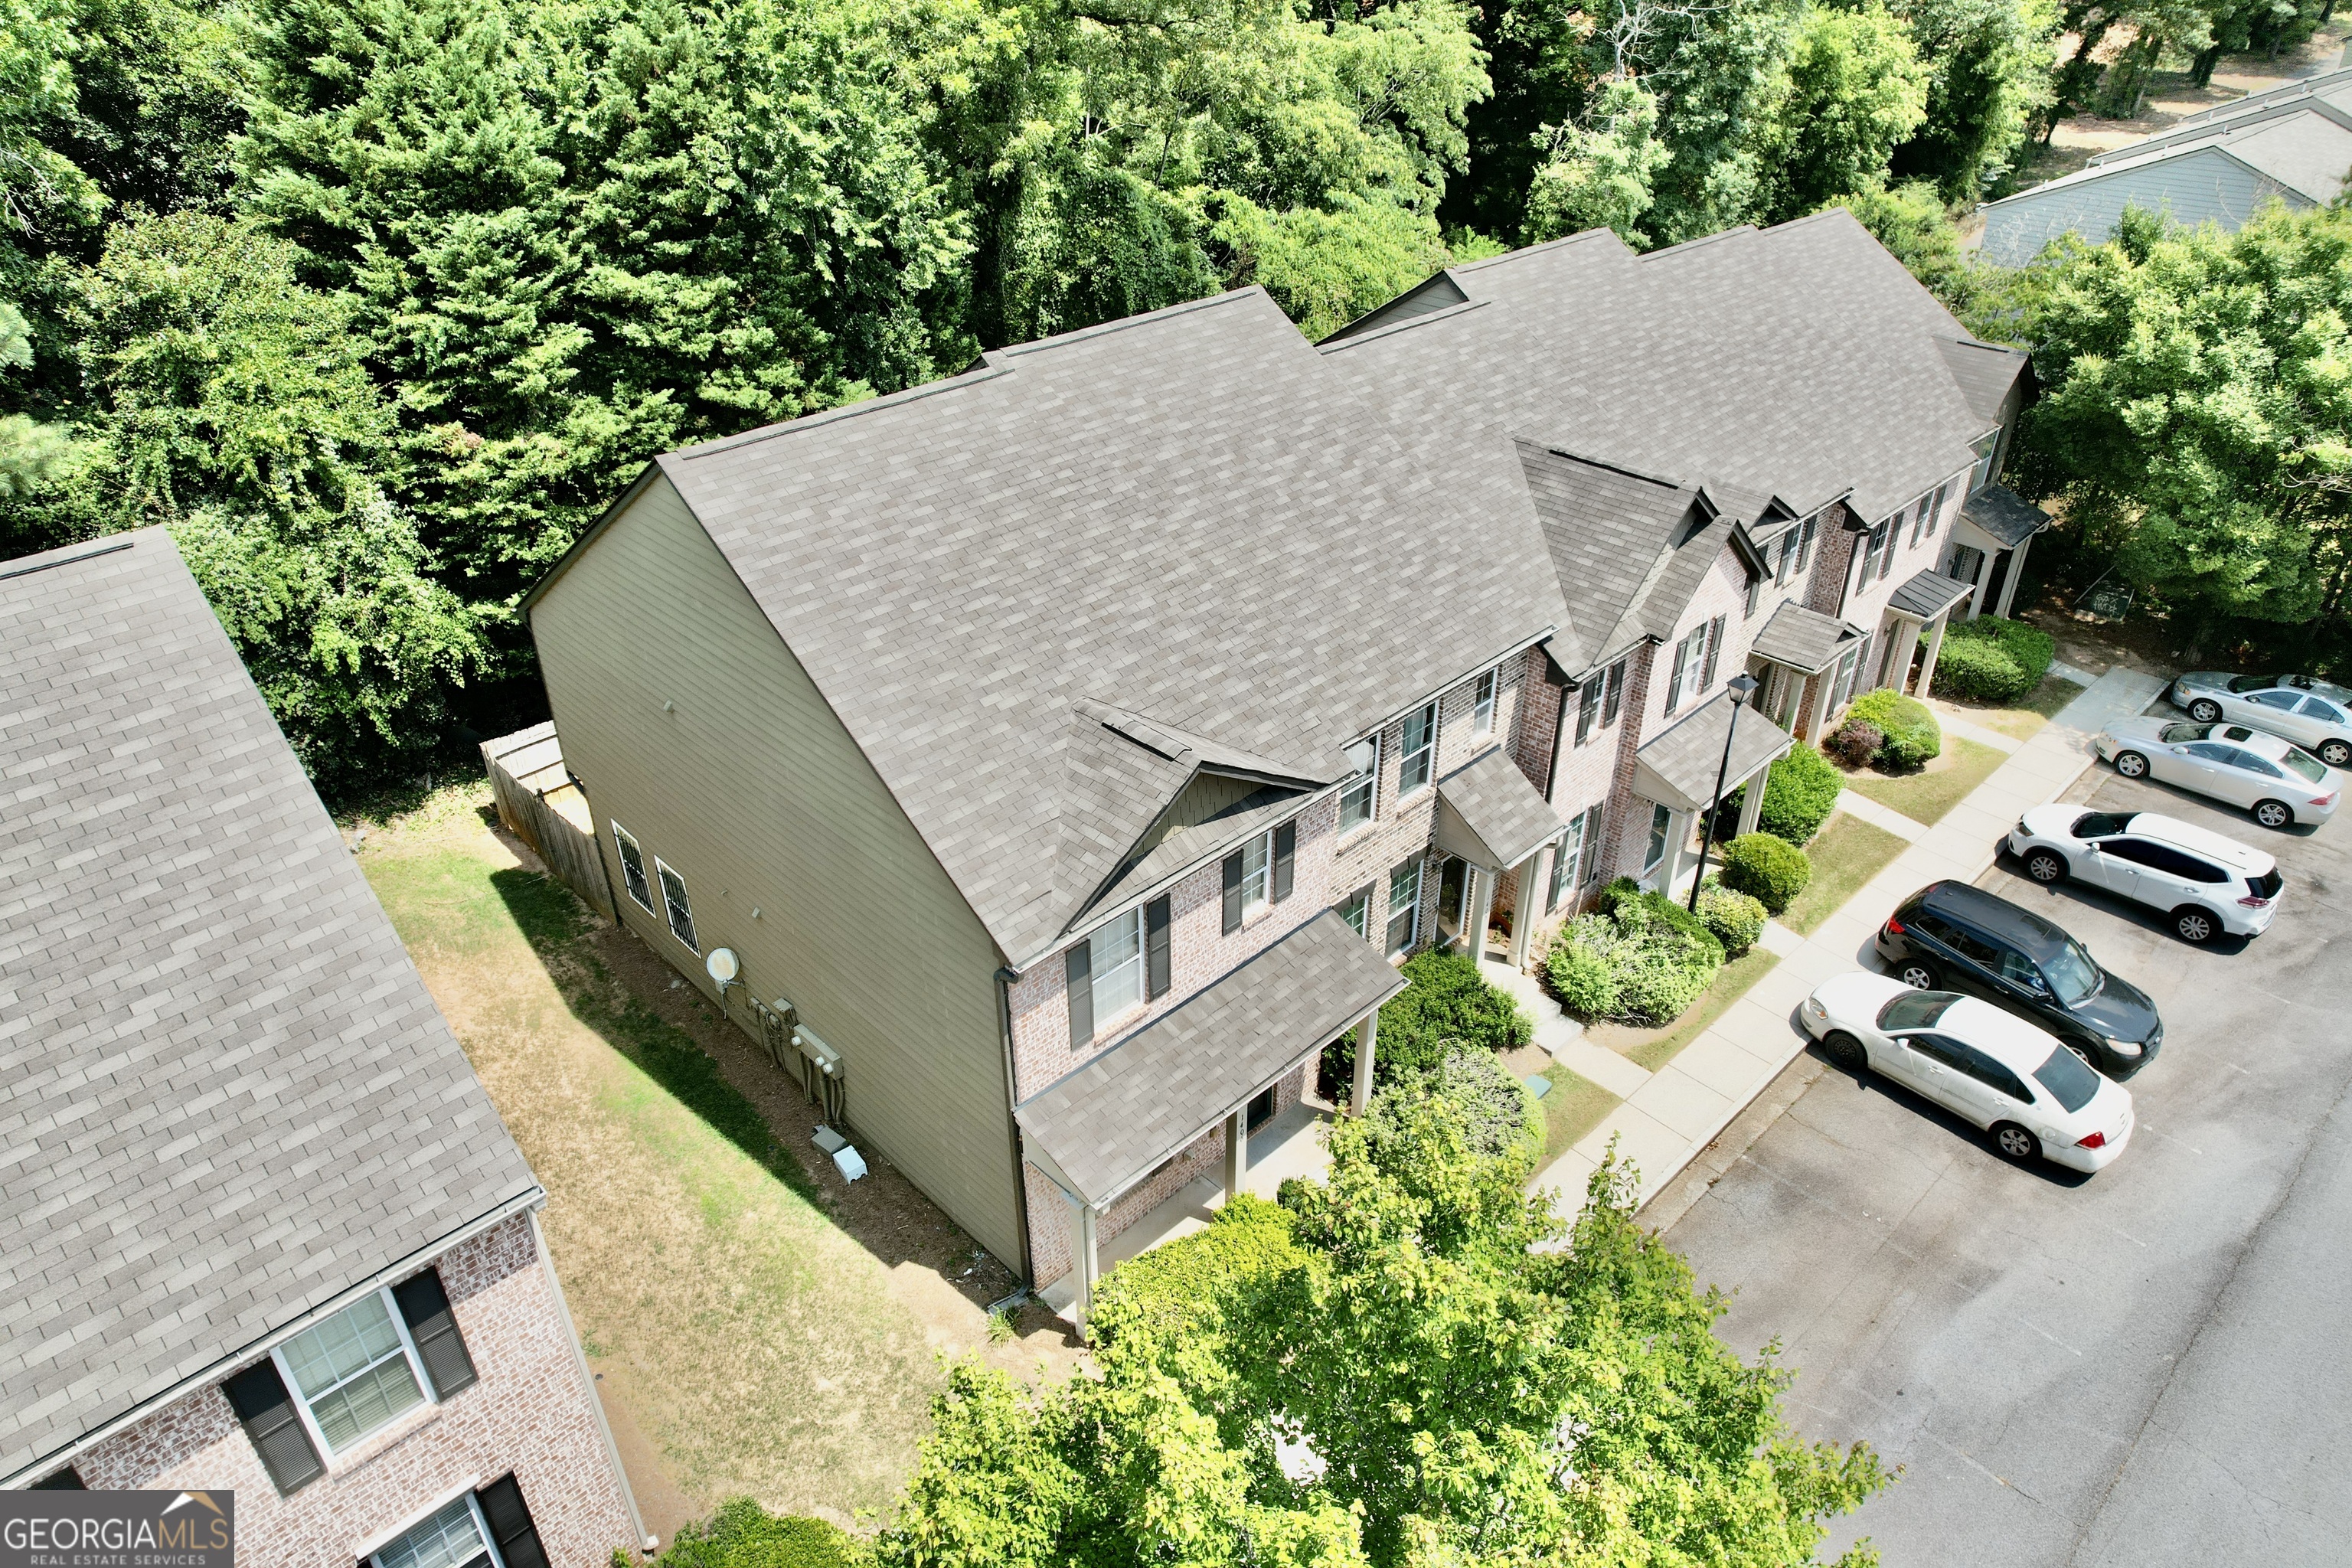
<point x="1104" y="329"/>
<point x="62" y="559"/>
<point x="1527" y="250"/>
<point x="834" y="416"/>
<point x="1688" y="245"/>
<point x="1335" y="344"/>
<point x="1604" y="463"/>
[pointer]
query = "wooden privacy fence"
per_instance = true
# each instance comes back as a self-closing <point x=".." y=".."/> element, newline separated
<point x="542" y="803"/>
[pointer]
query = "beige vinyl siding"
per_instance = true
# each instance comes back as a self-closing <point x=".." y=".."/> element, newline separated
<point x="750" y="789"/>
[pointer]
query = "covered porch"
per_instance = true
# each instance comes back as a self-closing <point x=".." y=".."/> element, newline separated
<point x="1675" y="772"/>
<point x="1126" y="1117"/>
<point x="1987" y="547"/>
<point x="1921" y="607"/>
<point x="1803" y="657"/>
<point x="1494" y="821"/>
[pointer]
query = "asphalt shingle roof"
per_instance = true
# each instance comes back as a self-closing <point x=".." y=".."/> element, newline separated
<point x="225" y="1095"/>
<point x="1803" y="638"/>
<point x="1184" y="516"/>
<point x="1927" y="594"/>
<point x="2004" y="514"/>
<point x="1685" y="758"/>
<point x="1112" y="1122"/>
<point x="1488" y="813"/>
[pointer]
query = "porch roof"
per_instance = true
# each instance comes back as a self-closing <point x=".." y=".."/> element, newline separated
<point x="1678" y="767"/>
<point x="1923" y="595"/>
<point x="2004" y="515"/>
<point x="1114" y="1121"/>
<point x="1489" y="814"/>
<point x="1804" y="639"/>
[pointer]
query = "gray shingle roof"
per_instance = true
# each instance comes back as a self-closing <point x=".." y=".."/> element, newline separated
<point x="1180" y="515"/>
<point x="1985" y="374"/>
<point x="1112" y="1122"/>
<point x="1928" y="594"/>
<point x="2004" y="514"/>
<point x="225" y="1095"/>
<point x="1677" y="766"/>
<point x="1803" y="638"/>
<point x="1614" y="536"/>
<point x="1489" y="814"/>
<point x="1801" y="362"/>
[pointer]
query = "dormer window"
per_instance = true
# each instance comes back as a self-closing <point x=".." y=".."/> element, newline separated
<point x="1420" y="762"/>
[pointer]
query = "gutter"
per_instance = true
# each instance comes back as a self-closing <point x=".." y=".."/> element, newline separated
<point x="1004" y="978"/>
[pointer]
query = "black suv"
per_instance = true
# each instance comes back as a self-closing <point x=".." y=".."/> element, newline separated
<point x="1950" y="936"/>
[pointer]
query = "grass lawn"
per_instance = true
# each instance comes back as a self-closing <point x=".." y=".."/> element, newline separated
<point x="745" y="1339"/>
<point x="2025" y="719"/>
<point x="1574" y="1108"/>
<point x="1845" y="853"/>
<point x="1926" y="795"/>
<point x="1652" y="1048"/>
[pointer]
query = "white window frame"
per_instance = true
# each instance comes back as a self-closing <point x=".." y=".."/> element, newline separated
<point x="1131" y="967"/>
<point x="1361" y="922"/>
<point x="1411" y="914"/>
<point x="1988" y="463"/>
<point x="317" y="1434"/>
<point x="1687" y="675"/>
<point x="624" y="842"/>
<point x="691" y="942"/>
<point x="1665" y="839"/>
<point x="481" y="1528"/>
<point x="1368" y="784"/>
<point x="1485" y="692"/>
<point x="1257" y="886"/>
<point x="1425" y="756"/>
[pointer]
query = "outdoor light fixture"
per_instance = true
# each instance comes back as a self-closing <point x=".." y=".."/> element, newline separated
<point x="1741" y="686"/>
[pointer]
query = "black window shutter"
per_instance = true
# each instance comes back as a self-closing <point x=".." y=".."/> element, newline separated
<point x="1155" y="949"/>
<point x="260" y="1398"/>
<point x="426" y="1307"/>
<point x="1714" y="646"/>
<point x="1080" y="960"/>
<point x="1286" y="859"/>
<point x="1232" y="893"/>
<point x="510" y="1525"/>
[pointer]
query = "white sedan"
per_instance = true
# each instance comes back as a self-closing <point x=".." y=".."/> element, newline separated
<point x="2276" y="780"/>
<point x="2311" y="713"/>
<point x="2039" y="1098"/>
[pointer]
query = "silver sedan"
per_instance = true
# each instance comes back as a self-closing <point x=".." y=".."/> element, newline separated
<point x="2277" y="781"/>
<point x="2311" y="713"/>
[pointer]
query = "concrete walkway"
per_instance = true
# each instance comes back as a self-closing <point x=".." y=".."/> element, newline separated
<point x="1857" y="805"/>
<point x="1670" y="1116"/>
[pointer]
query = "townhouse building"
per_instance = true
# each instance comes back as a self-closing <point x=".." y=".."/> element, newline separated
<point x="265" y="1233"/>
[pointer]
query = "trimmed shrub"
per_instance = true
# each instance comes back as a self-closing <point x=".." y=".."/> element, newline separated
<point x="742" y="1534"/>
<point x="1445" y="1001"/>
<point x="1770" y="870"/>
<point x="1640" y="957"/>
<point x="1585" y="982"/>
<point x="1737" y="920"/>
<point x="1173" y="1291"/>
<point x="1505" y="1123"/>
<point x="1854" y="742"/>
<point x="1909" y="735"/>
<point x="1799" y="792"/>
<point x="1989" y="659"/>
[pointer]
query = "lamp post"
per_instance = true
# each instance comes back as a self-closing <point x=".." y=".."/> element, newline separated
<point x="1741" y="686"/>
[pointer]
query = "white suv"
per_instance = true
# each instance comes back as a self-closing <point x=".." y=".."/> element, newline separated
<point x="2205" y="882"/>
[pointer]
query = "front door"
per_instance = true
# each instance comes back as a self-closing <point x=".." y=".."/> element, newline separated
<point x="1261" y="1109"/>
<point x="1453" y="897"/>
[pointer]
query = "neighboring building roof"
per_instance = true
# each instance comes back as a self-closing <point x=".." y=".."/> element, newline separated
<point x="1678" y="766"/>
<point x="2004" y="514"/>
<point x="225" y="1095"/>
<point x="1682" y="365"/>
<point x="2331" y="88"/>
<point x="1180" y="517"/>
<point x="1114" y="1121"/>
<point x="1804" y="639"/>
<point x="1488" y="814"/>
<point x="1927" y="594"/>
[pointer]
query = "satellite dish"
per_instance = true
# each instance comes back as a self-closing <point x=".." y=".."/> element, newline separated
<point x="723" y="965"/>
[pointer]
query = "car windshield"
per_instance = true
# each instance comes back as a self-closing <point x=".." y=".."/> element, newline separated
<point x="2255" y="682"/>
<point x="2305" y="765"/>
<point x="2064" y="1076"/>
<point x="2102" y="824"/>
<point x="1915" y="1010"/>
<point x="2073" y="977"/>
<point x="2176" y="733"/>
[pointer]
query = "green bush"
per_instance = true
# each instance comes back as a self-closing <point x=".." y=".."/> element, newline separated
<point x="742" y="1534"/>
<point x="1768" y="869"/>
<point x="1505" y="1120"/>
<point x="1585" y="982"/>
<point x="1909" y="735"/>
<point x="1737" y="920"/>
<point x="1640" y="957"/>
<point x="1173" y="1290"/>
<point x="1445" y="1001"/>
<point x="1989" y="659"/>
<point x="1799" y="792"/>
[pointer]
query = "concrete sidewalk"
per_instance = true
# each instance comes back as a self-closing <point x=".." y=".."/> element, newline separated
<point x="1671" y="1115"/>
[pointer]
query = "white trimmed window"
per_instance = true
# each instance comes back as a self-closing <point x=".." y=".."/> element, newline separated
<point x="1482" y="705"/>
<point x="1934" y="514"/>
<point x="1420" y="762"/>
<point x="1356" y="908"/>
<point x="1359" y="795"/>
<point x="352" y="1375"/>
<point x="1114" y="963"/>
<point x="1404" y="906"/>
<point x="1574" y="858"/>
<point x="452" y="1537"/>
<point x="681" y="913"/>
<point x="1988" y="450"/>
<point x="1257" y="873"/>
<point x="633" y="867"/>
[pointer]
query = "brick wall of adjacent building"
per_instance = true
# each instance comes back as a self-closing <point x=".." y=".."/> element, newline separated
<point x="527" y="1414"/>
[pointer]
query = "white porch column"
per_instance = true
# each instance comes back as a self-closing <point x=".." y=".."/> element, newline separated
<point x="1752" y="805"/>
<point x="2016" y="570"/>
<point x="1236" y="1150"/>
<point x="1984" y="580"/>
<point x="1534" y="872"/>
<point x="1482" y="908"/>
<point x="1935" y="646"/>
<point x="1359" y="1098"/>
<point x="1678" y="832"/>
<point x="1089" y="1259"/>
<point x="1825" y="683"/>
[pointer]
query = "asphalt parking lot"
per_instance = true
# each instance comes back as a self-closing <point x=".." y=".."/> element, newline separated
<point x="2152" y="1365"/>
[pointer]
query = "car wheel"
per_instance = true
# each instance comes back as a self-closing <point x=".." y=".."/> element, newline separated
<point x="1844" y="1051"/>
<point x="2016" y="1143"/>
<point x="2082" y="1054"/>
<point x="2131" y="764"/>
<point x="2336" y="754"/>
<point x="1918" y="974"/>
<point x="2274" y="813"/>
<point x="2205" y="711"/>
<point x="2194" y="925"/>
<point x="2046" y="865"/>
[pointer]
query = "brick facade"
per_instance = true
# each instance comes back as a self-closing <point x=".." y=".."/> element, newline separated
<point x="527" y="1414"/>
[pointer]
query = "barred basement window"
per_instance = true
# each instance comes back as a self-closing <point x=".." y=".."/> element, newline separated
<point x="681" y="913"/>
